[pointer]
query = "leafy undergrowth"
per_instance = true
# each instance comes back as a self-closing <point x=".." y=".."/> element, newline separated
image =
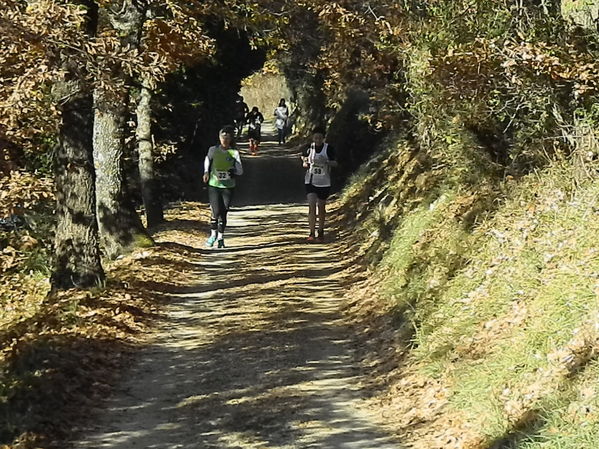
<point x="62" y="354"/>
<point x="482" y="333"/>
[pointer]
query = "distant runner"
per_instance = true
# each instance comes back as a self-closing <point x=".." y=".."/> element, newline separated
<point x="318" y="158"/>
<point x="254" y="120"/>
<point x="221" y="165"/>
<point x="240" y="111"/>
<point x="281" y="117"/>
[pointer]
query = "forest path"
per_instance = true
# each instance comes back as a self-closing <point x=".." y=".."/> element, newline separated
<point x="254" y="353"/>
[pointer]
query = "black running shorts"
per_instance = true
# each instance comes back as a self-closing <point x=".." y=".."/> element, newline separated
<point x="321" y="192"/>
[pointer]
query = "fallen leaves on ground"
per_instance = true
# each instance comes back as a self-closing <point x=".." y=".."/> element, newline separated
<point x="61" y="354"/>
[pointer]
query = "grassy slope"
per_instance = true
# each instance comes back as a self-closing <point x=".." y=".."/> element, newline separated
<point x="501" y="308"/>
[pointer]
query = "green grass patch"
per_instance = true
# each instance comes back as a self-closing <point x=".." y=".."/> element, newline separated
<point x="492" y="299"/>
<point x="570" y="419"/>
<point x="528" y="288"/>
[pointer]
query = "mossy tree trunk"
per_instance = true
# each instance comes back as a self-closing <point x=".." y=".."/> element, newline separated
<point x="149" y="184"/>
<point x="118" y="222"/>
<point x="77" y="254"/>
<point x="76" y="249"/>
<point x="120" y="226"/>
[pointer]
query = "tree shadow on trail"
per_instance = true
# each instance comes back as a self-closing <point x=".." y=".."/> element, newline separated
<point x="173" y="246"/>
<point x="256" y="384"/>
<point x="51" y="380"/>
<point x="193" y="226"/>
<point x="222" y="286"/>
<point x="63" y="360"/>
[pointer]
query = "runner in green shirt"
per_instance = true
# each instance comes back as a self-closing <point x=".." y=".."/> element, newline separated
<point x="221" y="165"/>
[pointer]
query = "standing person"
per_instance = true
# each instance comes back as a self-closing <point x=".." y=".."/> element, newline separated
<point x="221" y="165"/>
<point x="254" y="120"/>
<point x="282" y="115"/>
<point x="318" y="158"/>
<point x="240" y="112"/>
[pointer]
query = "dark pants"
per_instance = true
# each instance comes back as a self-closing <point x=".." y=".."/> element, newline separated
<point x="220" y="201"/>
<point x="281" y="135"/>
<point x="255" y="133"/>
<point x="239" y="122"/>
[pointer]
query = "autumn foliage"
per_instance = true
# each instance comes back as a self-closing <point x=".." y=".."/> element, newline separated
<point x="484" y="91"/>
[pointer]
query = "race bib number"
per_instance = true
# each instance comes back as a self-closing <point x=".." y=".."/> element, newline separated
<point x="317" y="170"/>
<point x="223" y="175"/>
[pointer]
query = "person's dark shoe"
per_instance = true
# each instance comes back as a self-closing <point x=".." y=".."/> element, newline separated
<point x="320" y="237"/>
<point x="221" y="243"/>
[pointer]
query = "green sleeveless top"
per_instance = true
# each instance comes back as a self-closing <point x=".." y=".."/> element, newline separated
<point x="223" y="161"/>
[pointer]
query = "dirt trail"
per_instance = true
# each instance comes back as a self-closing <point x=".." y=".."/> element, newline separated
<point x="254" y="353"/>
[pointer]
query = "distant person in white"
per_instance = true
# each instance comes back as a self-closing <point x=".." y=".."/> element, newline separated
<point x="281" y="117"/>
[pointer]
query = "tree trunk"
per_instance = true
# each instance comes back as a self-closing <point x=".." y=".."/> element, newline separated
<point x="120" y="226"/>
<point x="77" y="255"/>
<point x="77" y="260"/>
<point x="149" y="184"/>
